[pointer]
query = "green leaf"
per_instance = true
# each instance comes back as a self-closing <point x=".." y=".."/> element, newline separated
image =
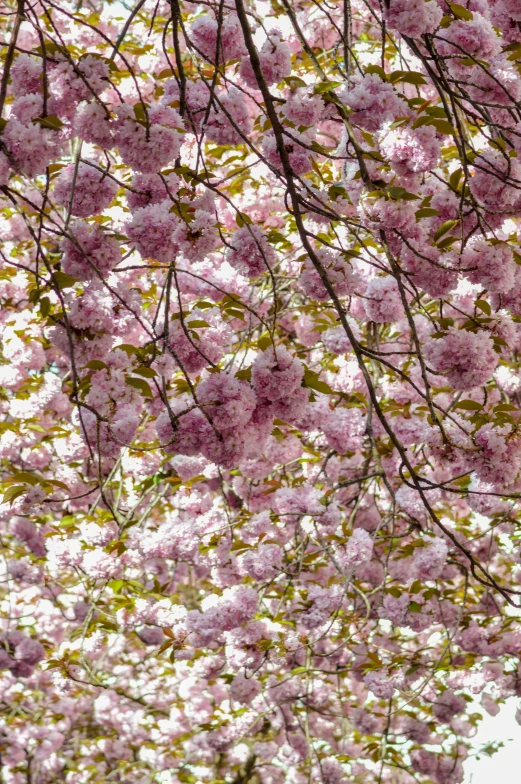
<point x="469" y="405"/>
<point x="204" y="305"/>
<point x="446" y="242"/>
<point x="143" y="370"/>
<point x="14" y="492"/>
<point x="240" y="545"/>
<point x="57" y="483"/>
<point x="63" y="281"/>
<point x="460" y="12"/>
<point x="96" y="364"/>
<point x="235" y="313"/>
<point x="52" y="122"/>
<point x="401" y="193"/>
<point x="515" y="51"/>
<point x="294" y="82"/>
<point x="140" y="384"/>
<point x="446" y="322"/>
<point x="197" y="324"/>
<point x="336" y="190"/>
<point x="165" y="73"/>
<point x="311" y="380"/>
<point x="498" y="144"/>
<point x="186" y="172"/>
<point x="275" y="236"/>
<point x="421" y="120"/>
<point x="436" y="111"/>
<point x="264" y="342"/>
<point x="241" y="219"/>
<point x="396" y="192"/>
<point x="244" y="374"/>
<point x="426" y="212"/>
<point x="483" y="305"/>
<point x="127" y="348"/>
<point x="45" y="306"/>
<point x="410" y="77"/>
<point x="50" y="48"/>
<point x="23" y="476"/>
<point x="139" y="112"/>
<point x="325" y="87"/>
<point x="376" y="69"/>
<point x="415" y="607"/>
<point x="444" y="228"/>
<point x="443" y="126"/>
<point x="454" y="178"/>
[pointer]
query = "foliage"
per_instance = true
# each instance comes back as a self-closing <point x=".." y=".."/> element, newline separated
<point x="260" y="388"/>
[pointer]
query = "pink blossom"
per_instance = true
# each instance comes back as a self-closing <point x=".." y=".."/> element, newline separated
<point x="490" y="705"/>
<point x="303" y="109"/>
<point x="274" y="59"/>
<point x="411" y="149"/>
<point x="298" y="154"/>
<point x="413" y="18"/>
<point x="374" y="102"/>
<point x="4" y="169"/>
<point x="151" y="189"/>
<point x="32" y="147"/>
<point x="496" y="181"/>
<point x="382" y="300"/>
<point x="263" y="562"/>
<point x="429" y="270"/>
<point x="430" y="560"/>
<point x="30" y="651"/>
<point x="207" y="34"/>
<point x="474" y="37"/>
<point x="249" y="251"/>
<point x="343" y="279"/>
<point x="244" y="689"/>
<point x="227" y="401"/>
<point x="467" y="359"/>
<point x="90" y="251"/>
<point x="381" y="683"/>
<point x="229" y="120"/>
<point x="93" y="124"/>
<point x="447" y="706"/>
<point x="491" y="265"/>
<point x="90" y="189"/>
<point x="151" y="635"/>
<point x="26" y="75"/>
<point x="148" y="144"/>
<point x="151" y="229"/>
<point x="276" y="373"/>
<point x="358" y="550"/>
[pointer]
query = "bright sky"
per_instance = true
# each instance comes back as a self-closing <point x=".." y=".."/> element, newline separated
<point x="503" y="767"/>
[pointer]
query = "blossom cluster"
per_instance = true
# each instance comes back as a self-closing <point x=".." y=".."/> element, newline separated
<point x="260" y="389"/>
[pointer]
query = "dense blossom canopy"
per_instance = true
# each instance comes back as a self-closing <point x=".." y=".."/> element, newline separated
<point x="260" y="388"/>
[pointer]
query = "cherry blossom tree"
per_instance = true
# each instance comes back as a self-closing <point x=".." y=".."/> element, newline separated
<point x="260" y="388"/>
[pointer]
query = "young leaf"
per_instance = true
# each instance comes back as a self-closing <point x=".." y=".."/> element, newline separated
<point x="140" y="384"/>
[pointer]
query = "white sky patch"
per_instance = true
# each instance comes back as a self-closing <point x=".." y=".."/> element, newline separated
<point x="503" y="766"/>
